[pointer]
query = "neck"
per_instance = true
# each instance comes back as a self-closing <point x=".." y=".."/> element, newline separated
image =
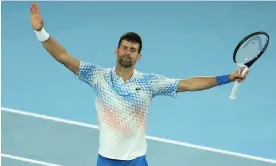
<point x="123" y="72"/>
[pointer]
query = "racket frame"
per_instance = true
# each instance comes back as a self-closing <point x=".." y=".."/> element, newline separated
<point x="247" y="65"/>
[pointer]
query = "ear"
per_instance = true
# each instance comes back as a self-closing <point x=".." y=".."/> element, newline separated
<point x="139" y="56"/>
<point x="116" y="51"/>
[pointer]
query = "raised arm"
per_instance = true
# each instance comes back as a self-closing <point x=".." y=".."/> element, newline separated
<point x="203" y="83"/>
<point x="55" y="49"/>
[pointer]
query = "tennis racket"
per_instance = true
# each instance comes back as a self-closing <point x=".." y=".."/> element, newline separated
<point x="247" y="52"/>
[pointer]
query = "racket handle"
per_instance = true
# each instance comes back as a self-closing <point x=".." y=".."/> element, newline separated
<point x="235" y="88"/>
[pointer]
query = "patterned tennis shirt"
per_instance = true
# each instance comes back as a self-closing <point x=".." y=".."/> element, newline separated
<point x="122" y="108"/>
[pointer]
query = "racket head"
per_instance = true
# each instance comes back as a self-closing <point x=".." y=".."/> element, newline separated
<point x="251" y="48"/>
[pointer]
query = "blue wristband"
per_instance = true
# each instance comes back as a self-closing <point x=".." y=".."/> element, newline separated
<point x="224" y="79"/>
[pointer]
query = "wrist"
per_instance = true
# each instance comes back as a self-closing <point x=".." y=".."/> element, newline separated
<point x="42" y="35"/>
<point x="231" y="78"/>
<point x="223" y="79"/>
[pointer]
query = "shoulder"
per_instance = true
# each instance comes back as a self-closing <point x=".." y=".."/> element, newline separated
<point x="86" y="66"/>
<point x="89" y="72"/>
<point x="149" y="77"/>
<point x="144" y="76"/>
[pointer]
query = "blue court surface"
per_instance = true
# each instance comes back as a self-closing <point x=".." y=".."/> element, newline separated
<point x="48" y="116"/>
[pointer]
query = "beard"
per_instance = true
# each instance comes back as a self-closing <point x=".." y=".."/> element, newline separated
<point x="126" y="61"/>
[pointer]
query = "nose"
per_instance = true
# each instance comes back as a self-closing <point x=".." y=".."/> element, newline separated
<point x="128" y="52"/>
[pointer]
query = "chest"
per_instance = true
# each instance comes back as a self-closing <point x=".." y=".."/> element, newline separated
<point x="124" y="95"/>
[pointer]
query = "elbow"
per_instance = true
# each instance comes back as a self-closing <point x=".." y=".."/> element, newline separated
<point x="61" y="58"/>
<point x="186" y="86"/>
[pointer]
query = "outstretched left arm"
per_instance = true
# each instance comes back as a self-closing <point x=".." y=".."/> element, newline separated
<point x="203" y="83"/>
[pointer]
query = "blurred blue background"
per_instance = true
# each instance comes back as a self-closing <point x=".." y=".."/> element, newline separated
<point x="180" y="40"/>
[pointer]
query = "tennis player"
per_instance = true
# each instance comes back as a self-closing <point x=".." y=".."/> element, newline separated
<point x="123" y="94"/>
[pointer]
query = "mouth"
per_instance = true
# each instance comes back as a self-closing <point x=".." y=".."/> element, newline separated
<point x="126" y="57"/>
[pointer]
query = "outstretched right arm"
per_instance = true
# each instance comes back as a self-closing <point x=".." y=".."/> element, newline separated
<point x="61" y="55"/>
<point x="55" y="49"/>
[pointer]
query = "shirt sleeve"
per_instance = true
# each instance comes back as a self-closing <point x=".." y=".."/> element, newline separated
<point x="90" y="73"/>
<point x="163" y="86"/>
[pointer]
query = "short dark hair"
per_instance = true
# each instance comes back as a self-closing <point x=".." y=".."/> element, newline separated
<point x="131" y="37"/>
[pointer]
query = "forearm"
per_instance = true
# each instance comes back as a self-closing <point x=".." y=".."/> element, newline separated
<point x="202" y="83"/>
<point x="55" y="49"/>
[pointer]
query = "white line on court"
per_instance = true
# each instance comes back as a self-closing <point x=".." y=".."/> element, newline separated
<point x="28" y="160"/>
<point x="148" y="137"/>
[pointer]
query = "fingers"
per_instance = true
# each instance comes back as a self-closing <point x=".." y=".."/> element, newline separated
<point x="238" y="75"/>
<point x="241" y="78"/>
<point x="246" y="70"/>
<point x="241" y="70"/>
<point x="34" y="9"/>
<point x="240" y="81"/>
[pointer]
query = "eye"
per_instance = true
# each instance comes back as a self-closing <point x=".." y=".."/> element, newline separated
<point x="133" y="50"/>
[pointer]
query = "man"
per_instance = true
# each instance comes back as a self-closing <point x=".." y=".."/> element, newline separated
<point x="123" y="94"/>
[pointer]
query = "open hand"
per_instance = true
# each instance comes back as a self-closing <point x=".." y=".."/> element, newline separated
<point x="36" y="19"/>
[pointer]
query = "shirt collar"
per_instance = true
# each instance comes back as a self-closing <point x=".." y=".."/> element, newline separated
<point x="116" y="77"/>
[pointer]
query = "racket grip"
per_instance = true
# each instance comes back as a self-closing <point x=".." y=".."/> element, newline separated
<point x="234" y="91"/>
<point x="235" y="88"/>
